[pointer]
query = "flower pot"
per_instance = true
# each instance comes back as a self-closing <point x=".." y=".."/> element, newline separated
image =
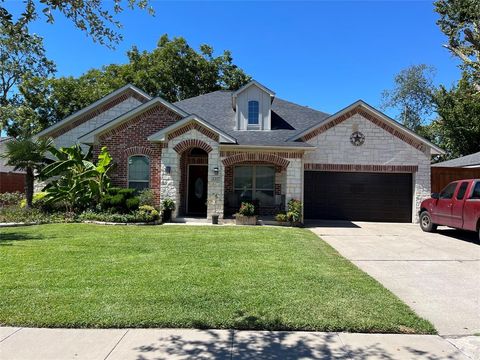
<point x="245" y="220"/>
<point x="167" y="215"/>
<point x="215" y="219"/>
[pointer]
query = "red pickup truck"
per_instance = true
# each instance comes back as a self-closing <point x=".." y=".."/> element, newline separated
<point x="457" y="206"/>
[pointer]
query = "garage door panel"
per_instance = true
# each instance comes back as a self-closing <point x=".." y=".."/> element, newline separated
<point x="358" y="196"/>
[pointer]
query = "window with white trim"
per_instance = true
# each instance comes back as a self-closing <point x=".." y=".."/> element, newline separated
<point x="255" y="182"/>
<point x="138" y="172"/>
<point x="253" y="112"/>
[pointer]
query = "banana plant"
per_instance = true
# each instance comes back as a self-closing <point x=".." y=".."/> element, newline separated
<point x="76" y="181"/>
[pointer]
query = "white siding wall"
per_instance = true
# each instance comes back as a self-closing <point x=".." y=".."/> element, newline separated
<point x="71" y="137"/>
<point x="264" y="103"/>
<point x="380" y="148"/>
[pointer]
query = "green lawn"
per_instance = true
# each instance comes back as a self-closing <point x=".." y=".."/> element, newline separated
<point x="81" y="275"/>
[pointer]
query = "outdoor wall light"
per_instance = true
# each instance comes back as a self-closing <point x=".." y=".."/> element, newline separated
<point x="168" y="169"/>
<point x="215" y="170"/>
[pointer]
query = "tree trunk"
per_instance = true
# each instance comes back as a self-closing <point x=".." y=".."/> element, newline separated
<point x="29" y="179"/>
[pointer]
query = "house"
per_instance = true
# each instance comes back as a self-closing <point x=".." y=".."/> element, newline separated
<point x="465" y="167"/>
<point x="10" y="180"/>
<point x="250" y="145"/>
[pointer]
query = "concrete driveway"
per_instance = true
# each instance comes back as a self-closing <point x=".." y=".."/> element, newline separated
<point x="438" y="274"/>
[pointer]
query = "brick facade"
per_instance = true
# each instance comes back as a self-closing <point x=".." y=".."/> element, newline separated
<point x="130" y="138"/>
<point x="12" y="182"/>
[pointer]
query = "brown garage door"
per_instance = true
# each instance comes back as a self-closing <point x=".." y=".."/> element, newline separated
<point x="358" y="196"/>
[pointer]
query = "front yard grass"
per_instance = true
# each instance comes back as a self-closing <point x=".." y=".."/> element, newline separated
<point x="83" y="275"/>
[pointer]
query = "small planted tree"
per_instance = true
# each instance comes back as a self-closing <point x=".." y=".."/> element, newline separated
<point x="78" y="183"/>
<point x="28" y="155"/>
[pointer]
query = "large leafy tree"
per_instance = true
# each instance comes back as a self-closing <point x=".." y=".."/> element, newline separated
<point x="22" y="56"/>
<point x="460" y="22"/>
<point x="411" y="96"/>
<point x="457" y="129"/>
<point x="77" y="181"/>
<point x="173" y="70"/>
<point x="95" y="17"/>
<point x="28" y="155"/>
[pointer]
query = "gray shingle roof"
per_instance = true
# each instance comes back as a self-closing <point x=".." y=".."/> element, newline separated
<point x="464" y="161"/>
<point x="288" y="119"/>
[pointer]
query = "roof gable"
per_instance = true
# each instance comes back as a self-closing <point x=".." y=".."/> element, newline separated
<point x="94" y="109"/>
<point x="373" y="115"/>
<point x="89" y="138"/>
<point x="169" y="131"/>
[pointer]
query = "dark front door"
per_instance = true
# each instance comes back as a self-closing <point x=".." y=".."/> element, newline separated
<point x="197" y="189"/>
<point x="358" y="196"/>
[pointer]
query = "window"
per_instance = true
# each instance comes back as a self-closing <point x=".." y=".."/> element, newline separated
<point x="138" y="172"/>
<point x="255" y="183"/>
<point x="476" y="191"/>
<point x="253" y="112"/>
<point x="447" y="193"/>
<point x="462" y="190"/>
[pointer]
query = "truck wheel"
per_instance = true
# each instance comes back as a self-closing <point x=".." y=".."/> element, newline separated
<point x="426" y="222"/>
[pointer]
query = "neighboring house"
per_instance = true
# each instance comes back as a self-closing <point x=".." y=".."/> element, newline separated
<point x="465" y="167"/>
<point x="468" y="161"/>
<point x="10" y="180"/>
<point x="246" y="145"/>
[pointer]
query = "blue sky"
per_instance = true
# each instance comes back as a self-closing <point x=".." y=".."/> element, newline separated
<point x="322" y="54"/>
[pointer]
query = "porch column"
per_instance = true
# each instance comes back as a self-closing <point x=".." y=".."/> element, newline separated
<point x="294" y="181"/>
<point x="215" y="184"/>
<point x="170" y="177"/>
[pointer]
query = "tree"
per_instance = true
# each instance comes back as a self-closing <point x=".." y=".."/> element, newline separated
<point x="78" y="182"/>
<point x="22" y="56"/>
<point x="457" y="129"/>
<point x="173" y="70"/>
<point x="460" y="22"/>
<point x="28" y="155"/>
<point x="92" y="16"/>
<point x="411" y="95"/>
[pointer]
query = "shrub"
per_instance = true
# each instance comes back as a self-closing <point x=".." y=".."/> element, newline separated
<point x="246" y="209"/>
<point x="16" y="214"/>
<point x="118" y="200"/>
<point x="148" y="213"/>
<point x="281" y="217"/>
<point x="147" y="197"/>
<point x="168" y="204"/>
<point x="294" y="213"/>
<point x="143" y="214"/>
<point x="11" y="198"/>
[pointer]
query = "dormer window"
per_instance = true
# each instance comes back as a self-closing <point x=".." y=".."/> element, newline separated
<point x="253" y="112"/>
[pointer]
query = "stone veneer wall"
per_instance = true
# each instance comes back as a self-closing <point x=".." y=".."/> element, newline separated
<point x="170" y="182"/>
<point x="381" y="147"/>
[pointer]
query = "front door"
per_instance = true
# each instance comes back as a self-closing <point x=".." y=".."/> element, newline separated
<point x="197" y="190"/>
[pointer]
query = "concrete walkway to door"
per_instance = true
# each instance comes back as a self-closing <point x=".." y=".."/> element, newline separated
<point x="436" y="274"/>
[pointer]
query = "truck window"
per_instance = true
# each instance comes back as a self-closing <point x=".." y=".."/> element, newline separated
<point x="476" y="191"/>
<point x="462" y="190"/>
<point x="447" y="193"/>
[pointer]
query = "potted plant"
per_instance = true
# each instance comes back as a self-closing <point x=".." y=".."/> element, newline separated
<point x="294" y="212"/>
<point x="246" y="215"/>
<point x="213" y="201"/>
<point x="168" y="206"/>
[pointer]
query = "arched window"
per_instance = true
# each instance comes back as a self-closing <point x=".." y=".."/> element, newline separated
<point x="253" y="112"/>
<point x="138" y="172"/>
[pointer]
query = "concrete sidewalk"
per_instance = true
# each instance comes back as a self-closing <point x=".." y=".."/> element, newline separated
<point x="146" y="344"/>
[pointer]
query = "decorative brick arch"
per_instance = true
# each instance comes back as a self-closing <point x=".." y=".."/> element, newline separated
<point x="242" y="157"/>
<point x="192" y="143"/>
<point x="139" y="150"/>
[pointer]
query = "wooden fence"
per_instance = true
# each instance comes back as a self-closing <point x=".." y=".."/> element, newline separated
<point x="441" y="176"/>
